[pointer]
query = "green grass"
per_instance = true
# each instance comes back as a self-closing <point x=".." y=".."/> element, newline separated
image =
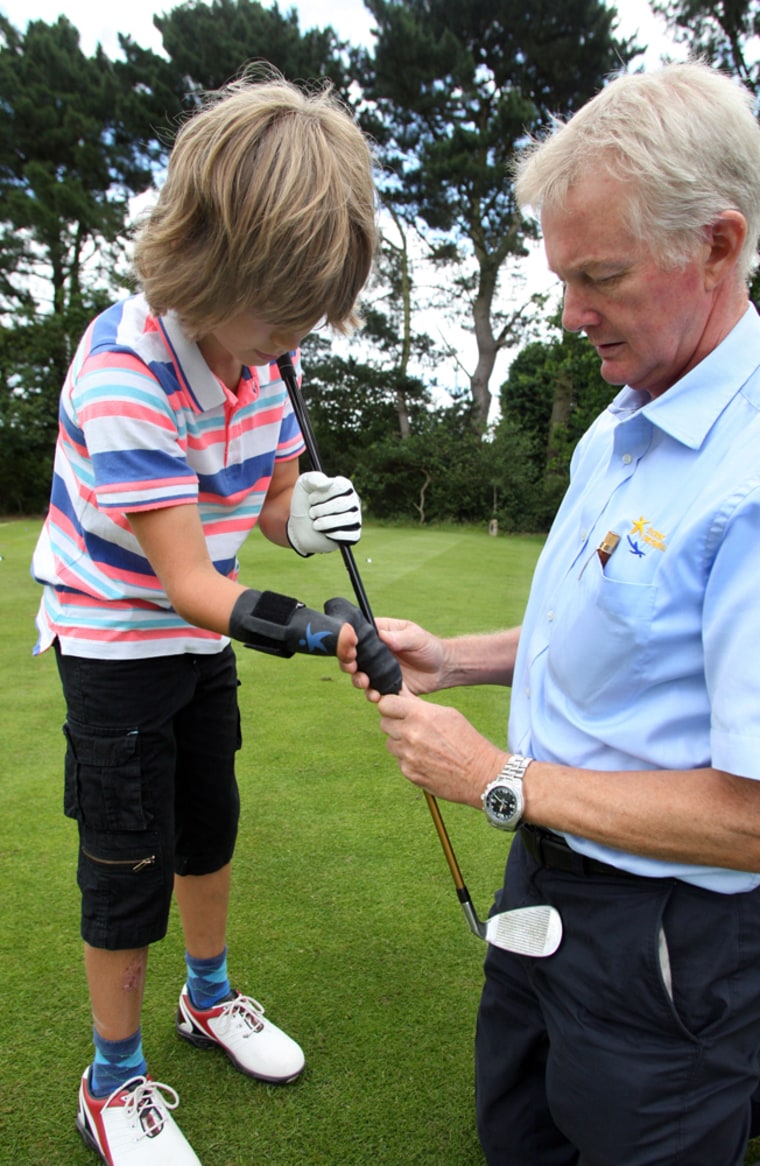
<point x="344" y="919"/>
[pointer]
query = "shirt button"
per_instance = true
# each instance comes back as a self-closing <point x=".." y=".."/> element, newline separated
<point x="550" y="616"/>
<point x="627" y="459"/>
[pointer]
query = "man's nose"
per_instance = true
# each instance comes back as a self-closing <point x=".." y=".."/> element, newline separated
<point x="578" y="311"/>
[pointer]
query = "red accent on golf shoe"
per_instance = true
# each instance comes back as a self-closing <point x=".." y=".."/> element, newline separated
<point x="238" y="1026"/>
<point x="133" y="1126"/>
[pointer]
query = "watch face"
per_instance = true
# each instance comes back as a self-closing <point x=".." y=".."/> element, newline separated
<point x="502" y="803"/>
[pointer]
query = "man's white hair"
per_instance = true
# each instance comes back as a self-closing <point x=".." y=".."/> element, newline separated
<point x="684" y="138"/>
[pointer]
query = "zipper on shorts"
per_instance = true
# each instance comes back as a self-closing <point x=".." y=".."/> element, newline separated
<point x="137" y="864"/>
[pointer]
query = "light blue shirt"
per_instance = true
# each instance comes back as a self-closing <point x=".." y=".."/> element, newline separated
<point x="653" y="661"/>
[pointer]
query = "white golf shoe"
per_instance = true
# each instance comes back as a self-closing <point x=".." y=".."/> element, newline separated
<point x="254" y="1045"/>
<point x="133" y="1126"/>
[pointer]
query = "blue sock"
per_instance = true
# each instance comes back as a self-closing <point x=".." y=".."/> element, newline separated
<point x="115" y="1062"/>
<point x="207" y="981"/>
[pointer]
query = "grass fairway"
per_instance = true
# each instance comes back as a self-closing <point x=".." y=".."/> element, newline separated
<point x="344" y="918"/>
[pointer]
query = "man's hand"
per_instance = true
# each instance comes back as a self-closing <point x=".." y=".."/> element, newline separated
<point x="438" y="749"/>
<point x="420" y="654"/>
<point x="323" y="513"/>
<point x="371" y="655"/>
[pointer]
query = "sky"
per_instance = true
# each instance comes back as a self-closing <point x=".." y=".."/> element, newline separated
<point x="100" y="23"/>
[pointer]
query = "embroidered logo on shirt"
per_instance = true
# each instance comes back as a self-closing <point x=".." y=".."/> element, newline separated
<point x="641" y="535"/>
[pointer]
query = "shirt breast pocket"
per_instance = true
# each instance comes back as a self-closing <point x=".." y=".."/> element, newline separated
<point x="601" y="639"/>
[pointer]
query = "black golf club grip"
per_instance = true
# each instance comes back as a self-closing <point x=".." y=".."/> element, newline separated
<point x="372" y="655"/>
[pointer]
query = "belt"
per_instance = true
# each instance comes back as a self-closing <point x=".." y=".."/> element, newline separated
<point x="551" y="850"/>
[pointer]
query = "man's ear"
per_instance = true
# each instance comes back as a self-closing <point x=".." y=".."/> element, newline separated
<point x="725" y="238"/>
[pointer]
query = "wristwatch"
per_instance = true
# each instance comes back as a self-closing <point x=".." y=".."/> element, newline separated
<point x="503" y="799"/>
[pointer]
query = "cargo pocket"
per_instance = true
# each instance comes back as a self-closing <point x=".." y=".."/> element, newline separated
<point x="103" y="781"/>
<point x="126" y="890"/>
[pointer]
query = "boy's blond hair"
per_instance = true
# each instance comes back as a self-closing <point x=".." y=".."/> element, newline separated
<point x="268" y="206"/>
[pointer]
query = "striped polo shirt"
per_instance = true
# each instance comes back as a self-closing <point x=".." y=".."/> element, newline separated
<point x="144" y="423"/>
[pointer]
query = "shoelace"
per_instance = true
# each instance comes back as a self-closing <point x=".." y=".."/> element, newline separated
<point x="245" y="1009"/>
<point x="144" y="1104"/>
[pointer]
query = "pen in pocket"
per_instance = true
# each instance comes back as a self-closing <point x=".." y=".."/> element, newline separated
<point x="607" y="546"/>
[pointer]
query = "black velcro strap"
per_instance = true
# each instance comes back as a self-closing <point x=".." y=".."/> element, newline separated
<point x="275" y="608"/>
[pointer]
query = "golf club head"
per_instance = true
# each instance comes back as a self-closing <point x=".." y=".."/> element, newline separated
<point x="533" y="931"/>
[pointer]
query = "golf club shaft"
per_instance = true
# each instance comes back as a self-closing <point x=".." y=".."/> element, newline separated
<point x="470" y="914"/>
<point x="304" y="421"/>
<point x="443" y="835"/>
<point x="302" y="416"/>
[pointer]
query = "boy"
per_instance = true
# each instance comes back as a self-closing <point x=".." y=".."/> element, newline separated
<point x="176" y="438"/>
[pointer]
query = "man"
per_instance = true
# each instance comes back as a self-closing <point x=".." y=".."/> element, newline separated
<point x="634" y="729"/>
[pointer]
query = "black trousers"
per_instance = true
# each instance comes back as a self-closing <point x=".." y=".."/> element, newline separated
<point x="150" y="780"/>
<point x="610" y="1053"/>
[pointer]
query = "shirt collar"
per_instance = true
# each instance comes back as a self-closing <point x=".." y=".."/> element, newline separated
<point x="201" y="384"/>
<point x="688" y="409"/>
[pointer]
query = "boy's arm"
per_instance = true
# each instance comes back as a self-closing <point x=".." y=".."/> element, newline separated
<point x="310" y="512"/>
<point x="273" y="519"/>
<point x="173" y="541"/>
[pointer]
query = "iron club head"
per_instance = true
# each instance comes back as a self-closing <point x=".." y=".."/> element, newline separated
<point x="533" y="931"/>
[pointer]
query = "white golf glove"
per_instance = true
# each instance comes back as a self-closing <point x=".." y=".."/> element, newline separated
<point x="323" y="513"/>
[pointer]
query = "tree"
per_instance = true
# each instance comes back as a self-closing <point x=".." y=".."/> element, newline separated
<point x="390" y="336"/>
<point x="67" y="168"/>
<point x="553" y="392"/>
<point x="29" y="389"/>
<point x="433" y="471"/>
<point x="457" y="84"/>
<point x="354" y="404"/>
<point x="438" y="474"/>
<point x="722" y="31"/>
<point x="209" y="44"/>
